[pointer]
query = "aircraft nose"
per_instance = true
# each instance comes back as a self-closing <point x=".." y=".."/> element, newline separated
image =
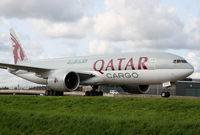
<point x="190" y="69"/>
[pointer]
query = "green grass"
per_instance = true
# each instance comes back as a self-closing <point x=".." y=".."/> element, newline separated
<point x="39" y="115"/>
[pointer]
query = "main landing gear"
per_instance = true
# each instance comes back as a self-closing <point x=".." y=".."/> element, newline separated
<point x="94" y="92"/>
<point x="53" y="93"/>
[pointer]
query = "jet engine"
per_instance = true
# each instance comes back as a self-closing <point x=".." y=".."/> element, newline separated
<point x="63" y="81"/>
<point x="136" y="89"/>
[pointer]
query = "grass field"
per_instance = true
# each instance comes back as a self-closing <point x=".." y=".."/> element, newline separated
<point x="39" y="115"/>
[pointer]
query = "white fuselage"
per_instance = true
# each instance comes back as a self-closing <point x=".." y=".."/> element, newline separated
<point x="121" y="69"/>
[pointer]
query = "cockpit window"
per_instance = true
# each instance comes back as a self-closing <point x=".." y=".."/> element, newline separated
<point x="179" y="61"/>
<point x="184" y="61"/>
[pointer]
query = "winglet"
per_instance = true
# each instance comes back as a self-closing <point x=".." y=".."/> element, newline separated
<point x="19" y="55"/>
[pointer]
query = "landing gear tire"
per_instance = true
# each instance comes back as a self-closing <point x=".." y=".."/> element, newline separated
<point x="87" y="93"/>
<point x="93" y="93"/>
<point x="168" y="94"/>
<point x="53" y="93"/>
<point x="165" y="94"/>
<point x="59" y="93"/>
<point x="100" y="93"/>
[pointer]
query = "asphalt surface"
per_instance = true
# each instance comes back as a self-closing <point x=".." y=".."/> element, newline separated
<point x="79" y="93"/>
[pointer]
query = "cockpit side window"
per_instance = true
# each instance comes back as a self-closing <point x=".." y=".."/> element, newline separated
<point x="184" y="61"/>
<point x="179" y="61"/>
<point x="175" y="61"/>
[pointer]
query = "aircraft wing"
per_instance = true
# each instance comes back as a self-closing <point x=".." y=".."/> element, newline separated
<point x="41" y="71"/>
<point x="22" y="67"/>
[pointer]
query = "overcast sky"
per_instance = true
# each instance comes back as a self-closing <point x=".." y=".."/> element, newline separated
<point x="52" y="29"/>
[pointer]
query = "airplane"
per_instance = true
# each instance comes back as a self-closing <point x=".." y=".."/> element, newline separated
<point x="132" y="71"/>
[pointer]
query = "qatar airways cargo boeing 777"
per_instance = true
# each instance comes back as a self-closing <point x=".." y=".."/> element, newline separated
<point x="133" y="71"/>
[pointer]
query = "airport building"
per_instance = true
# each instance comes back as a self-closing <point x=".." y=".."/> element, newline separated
<point x="181" y="88"/>
<point x="189" y="87"/>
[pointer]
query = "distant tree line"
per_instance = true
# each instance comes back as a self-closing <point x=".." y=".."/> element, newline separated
<point x="30" y="88"/>
<point x="4" y="88"/>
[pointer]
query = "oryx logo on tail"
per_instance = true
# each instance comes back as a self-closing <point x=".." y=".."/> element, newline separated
<point x="17" y="51"/>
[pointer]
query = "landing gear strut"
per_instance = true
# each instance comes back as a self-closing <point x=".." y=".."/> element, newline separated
<point x="94" y="92"/>
<point x="53" y="93"/>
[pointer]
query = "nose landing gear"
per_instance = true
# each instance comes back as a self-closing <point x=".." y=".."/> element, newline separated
<point x="166" y="87"/>
<point x="165" y="94"/>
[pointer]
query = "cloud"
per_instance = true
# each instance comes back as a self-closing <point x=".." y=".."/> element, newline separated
<point x="50" y="29"/>
<point x="101" y="47"/>
<point x="193" y="33"/>
<point x="195" y="75"/>
<point x="69" y="52"/>
<point x="3" y="37"/>
<point x="137" y="20"/>
<point x="34" y="50"/>
<point x="5" y="21"/>
<point x="194" y="59"/>
<point x="71" y="43"/>
<point x="178" y="41"/>
<point x="146" y="24"/>
<point x="6" y="79"/>
<point x="3" y="47"/>
<point x="62" y="10"/>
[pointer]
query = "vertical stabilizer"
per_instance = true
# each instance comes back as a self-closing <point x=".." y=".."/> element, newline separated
<point x="18" y="53"/>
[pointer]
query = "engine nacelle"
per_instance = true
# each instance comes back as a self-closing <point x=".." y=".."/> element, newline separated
<point x="63" y="81"/>
<point x="136" y="89"/>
